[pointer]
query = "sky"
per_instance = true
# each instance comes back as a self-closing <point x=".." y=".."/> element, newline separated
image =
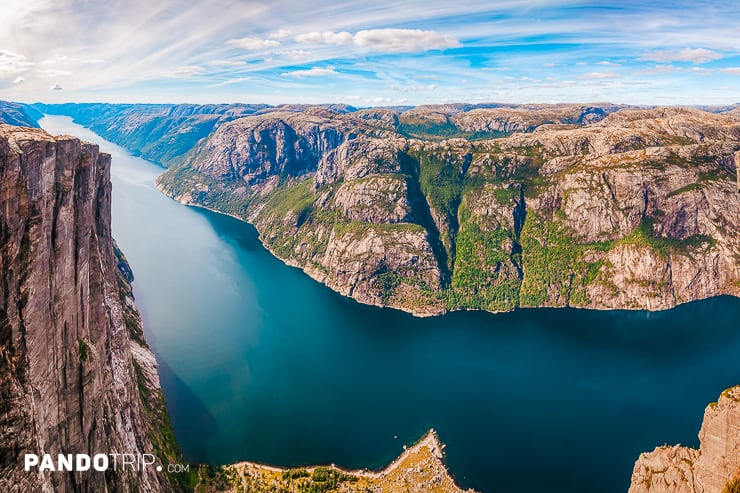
<point x="370" y="52"/>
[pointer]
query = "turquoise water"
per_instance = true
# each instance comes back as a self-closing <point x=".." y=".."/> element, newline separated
<point x="258" y="362"/>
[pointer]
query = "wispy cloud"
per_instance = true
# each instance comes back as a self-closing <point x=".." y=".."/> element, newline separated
<point x="52" y="73"/>
<point x="417" y="88"/>
<point x="183" y="72"/>
<point x="327" y="37"/>
<point x="695" y="55"/>
<point x="279" y="34"/>
<point x="601" y="75"/>
<point x="404" y="40"/>
<point x="250" y="43"/>
<point x="177" y="50"/>
<point x="13" y="63"/>
<point x="389" y="40"/>
<point x="296" y="54"/>
<point x="312" y="72"/>
<point x="231" y="81"/>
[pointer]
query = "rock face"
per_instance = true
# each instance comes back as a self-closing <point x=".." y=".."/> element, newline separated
<point x="714" y="468"/>
<point x="75" y="373"/>
<point x="629" y="209"/>
<point x="442" y="207"/>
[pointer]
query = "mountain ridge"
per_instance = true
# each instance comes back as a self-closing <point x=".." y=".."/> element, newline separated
<point x="506" y="206"/>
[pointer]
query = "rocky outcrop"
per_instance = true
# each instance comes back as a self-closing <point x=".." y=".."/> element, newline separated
<point x="76" y="376"/>
<point x="714" y="468"/>
<point x="419" y="469"/>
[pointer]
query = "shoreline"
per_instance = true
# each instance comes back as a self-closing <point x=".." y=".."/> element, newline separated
<point x="422" y="314"/>
<point x="421" y="464"/>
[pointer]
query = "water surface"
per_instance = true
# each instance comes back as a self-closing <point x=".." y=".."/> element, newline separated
<point x="258" y="362"/>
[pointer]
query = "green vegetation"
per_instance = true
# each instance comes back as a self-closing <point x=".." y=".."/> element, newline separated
<point x="324" y="480"/>
<point x="297" y="198"/>
<point x="486" y="273"/>
<point x="688" y="188"/>
<point x="441" y="129"/>
<point x="84" y="350"/>
<point x="556" y="272"/>
<point x="732" y="486"/>
<point x="643" y="235"/>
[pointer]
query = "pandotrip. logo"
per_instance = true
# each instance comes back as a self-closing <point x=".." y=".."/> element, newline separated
<point x="98" y="462"/>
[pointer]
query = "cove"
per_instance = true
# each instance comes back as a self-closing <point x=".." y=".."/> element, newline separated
<point x="258" y="362"/>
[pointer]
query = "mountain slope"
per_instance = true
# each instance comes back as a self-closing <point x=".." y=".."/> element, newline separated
<point x="420" y="209"/>
<point x="639" y="210"/>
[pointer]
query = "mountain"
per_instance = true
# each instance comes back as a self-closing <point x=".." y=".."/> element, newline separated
<point x="19" y="114"/>
<point x="76" y="375"/>
<point x="492" y="207"/>
<point x="713" y="468"/>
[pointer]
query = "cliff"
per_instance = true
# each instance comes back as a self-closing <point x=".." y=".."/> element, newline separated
<point x="637" y="209"/>
<point x="492" y="207"/>
<point x="714" y="468"/>
<point x="76" y="375"/>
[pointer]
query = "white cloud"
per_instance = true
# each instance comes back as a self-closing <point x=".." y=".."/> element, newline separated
<point x="390" y="40"/>
<point x="231" y="81"/>
<point x="183" y="72"/>
<point x="419" y="88"/>
<point x="251" y="43"/>
<point x="296" y="54"/>
<point x="607" y="63"/>
<point x="19" y="80"/>
<point x="659" y="69"/>
<point x="326" y="37"/>
<point x="13" y="63"/>
<point x="731" y="70"/>
<point x="56" y="87"/>
<point x="228" y="63"/>
<point x="696" y="56"/>
<point x="279" y="34"/>
<point x="51" y="73"/>
<point x="404" y="40"/>
<point x="601" y="75"/>
<point x="312" y="72"/>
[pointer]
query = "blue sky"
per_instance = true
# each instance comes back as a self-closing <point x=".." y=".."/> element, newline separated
<point x="370" y="52"/>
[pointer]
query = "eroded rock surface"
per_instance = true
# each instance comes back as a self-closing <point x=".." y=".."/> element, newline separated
<point x="76" y="375"/>
<point x="711" y="469"/>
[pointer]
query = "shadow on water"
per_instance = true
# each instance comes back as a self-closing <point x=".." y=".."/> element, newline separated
<point x="232" y="230"/>
<point x="192" y="422"/>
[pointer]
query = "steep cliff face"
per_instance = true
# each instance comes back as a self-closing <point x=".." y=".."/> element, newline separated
<point x="75" y="373"/>
<point x="630" y="209"/>
<point x="714" y="468"/>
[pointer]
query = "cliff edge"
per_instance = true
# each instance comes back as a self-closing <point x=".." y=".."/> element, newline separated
<point x="76" y="376"/>
<point x="714" y="468"/>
